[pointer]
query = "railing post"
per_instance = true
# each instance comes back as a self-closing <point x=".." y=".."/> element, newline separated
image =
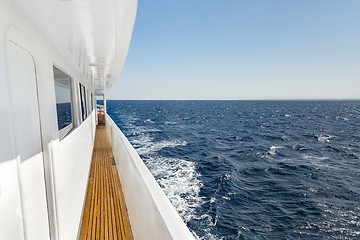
<point x="104" y="104"/>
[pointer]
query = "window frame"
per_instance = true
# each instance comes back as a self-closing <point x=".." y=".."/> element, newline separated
<point x="92" y="101"/>
<point x="88" y="102"/>
<point x="65" y="130"/>
<point x="83" y="102"/>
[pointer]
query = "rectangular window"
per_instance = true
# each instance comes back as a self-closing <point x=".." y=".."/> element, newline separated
<point x="88" y="102"/>
<point x="83" y="102"/>
<point x="63" y="101"/>
<point x="92" y="102"/>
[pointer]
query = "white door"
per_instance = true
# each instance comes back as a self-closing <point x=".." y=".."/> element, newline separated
<point x="27" y="140"/>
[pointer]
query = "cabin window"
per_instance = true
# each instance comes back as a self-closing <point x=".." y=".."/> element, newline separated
<point x="92" y="102"/>
<point x="64" y="106"/>
<point x="83" y="102"/>
<point x="88" y="102"/>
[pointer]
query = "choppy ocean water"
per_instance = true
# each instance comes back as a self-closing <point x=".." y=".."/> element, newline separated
<point x="253" y="169"/>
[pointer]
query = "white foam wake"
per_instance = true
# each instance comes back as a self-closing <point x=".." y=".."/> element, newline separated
<point x="324" y="138"/>
<point x="272" y="150"/>
<point x="178" y="178"/>
<point x="149" y="121"/>
<point x="153" y="147"/>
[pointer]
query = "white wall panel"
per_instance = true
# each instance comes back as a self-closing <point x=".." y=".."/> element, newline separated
<point x="72" y="160"/>
<point x="28" y="145"/>
<point x="10" y="208"/>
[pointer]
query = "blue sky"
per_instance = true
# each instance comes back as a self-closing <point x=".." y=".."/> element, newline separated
<point x="243" y="49"/>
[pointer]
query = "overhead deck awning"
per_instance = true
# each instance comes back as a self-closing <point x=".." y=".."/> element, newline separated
<point x="93" y="35"/>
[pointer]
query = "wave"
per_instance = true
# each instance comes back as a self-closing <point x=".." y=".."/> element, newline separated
<point x="149" y="121"/>
<point x="312" y="157"/>
<point x="178" y="178"/>
<point x="208" y="222"/>
<point x="299" y="147"/>
<point x="342" y="118"/>
<point x="324" y="138"/>
<point x="272" y="150"/>
<point x="180" y="181"/>
<point x="336" y="221"/>
<point x="153" y="147"/>
<point x="170" y="123"/>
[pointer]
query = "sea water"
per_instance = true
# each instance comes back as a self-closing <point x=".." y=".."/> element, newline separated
<point x="253" y="169"/>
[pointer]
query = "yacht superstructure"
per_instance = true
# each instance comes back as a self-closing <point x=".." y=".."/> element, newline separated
<point x="56" y="56"/>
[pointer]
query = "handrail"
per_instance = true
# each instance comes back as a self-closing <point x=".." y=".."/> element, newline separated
<point x="151" y="214"/>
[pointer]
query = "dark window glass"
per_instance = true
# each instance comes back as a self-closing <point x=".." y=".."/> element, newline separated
<point x="83" y="102"/>
<point x="92" y="102"/>
<point x="63" y="98"/>
<point x="88" y="102"/>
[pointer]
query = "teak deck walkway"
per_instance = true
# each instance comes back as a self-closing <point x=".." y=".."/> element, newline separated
<point x="105" y="215"/>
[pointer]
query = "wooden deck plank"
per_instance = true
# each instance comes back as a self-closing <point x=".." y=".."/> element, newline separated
<point x="105" y="215"/>
<point x="101" y="201"/>
<point x="122" y="208"/>
<point x="116" y="209"/>
<point x="113" y="209"/>
<point x="95" y="207"/>
<point x="108" y="217"/>
<point x="120" y="224"/>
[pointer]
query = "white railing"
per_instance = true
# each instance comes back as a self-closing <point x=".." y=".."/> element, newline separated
<point x="150" y="212"/>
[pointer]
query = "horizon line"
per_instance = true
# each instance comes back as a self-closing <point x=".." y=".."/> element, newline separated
<point x="274" y="99"/>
